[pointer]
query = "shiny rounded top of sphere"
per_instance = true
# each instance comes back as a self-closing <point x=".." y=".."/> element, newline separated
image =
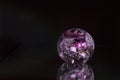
<point x="75" y="45"/>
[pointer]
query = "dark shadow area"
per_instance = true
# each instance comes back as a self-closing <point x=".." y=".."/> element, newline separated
<point x="30" y="30"/>
<point x="7" y="46"/>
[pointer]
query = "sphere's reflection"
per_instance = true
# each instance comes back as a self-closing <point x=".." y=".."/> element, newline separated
<point x="70" y="71"/>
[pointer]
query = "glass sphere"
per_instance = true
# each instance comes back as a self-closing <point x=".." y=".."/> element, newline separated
<point x="75" y="72"/>
<point x="75" y="45"/>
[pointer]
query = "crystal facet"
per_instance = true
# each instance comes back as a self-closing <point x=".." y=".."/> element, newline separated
<point x="70" y="71"/>
<point x="75" y="45"/>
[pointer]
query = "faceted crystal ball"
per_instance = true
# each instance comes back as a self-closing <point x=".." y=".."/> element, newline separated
<point x="75" y="72"/>
<point x="75" y="45"/>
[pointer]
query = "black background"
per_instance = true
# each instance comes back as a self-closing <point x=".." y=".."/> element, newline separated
<point x="29" y="31"/>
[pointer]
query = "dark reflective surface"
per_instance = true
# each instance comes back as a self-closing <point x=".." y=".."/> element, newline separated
<point x="30" y="29"/>
<point x="76" y="71"/>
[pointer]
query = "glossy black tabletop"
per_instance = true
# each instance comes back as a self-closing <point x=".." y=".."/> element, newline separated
<point x="29" y="33"/>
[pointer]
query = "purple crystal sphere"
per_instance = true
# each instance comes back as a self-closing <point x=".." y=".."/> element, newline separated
<point x="75" y="45"/>
<point x="75" y="72"/>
